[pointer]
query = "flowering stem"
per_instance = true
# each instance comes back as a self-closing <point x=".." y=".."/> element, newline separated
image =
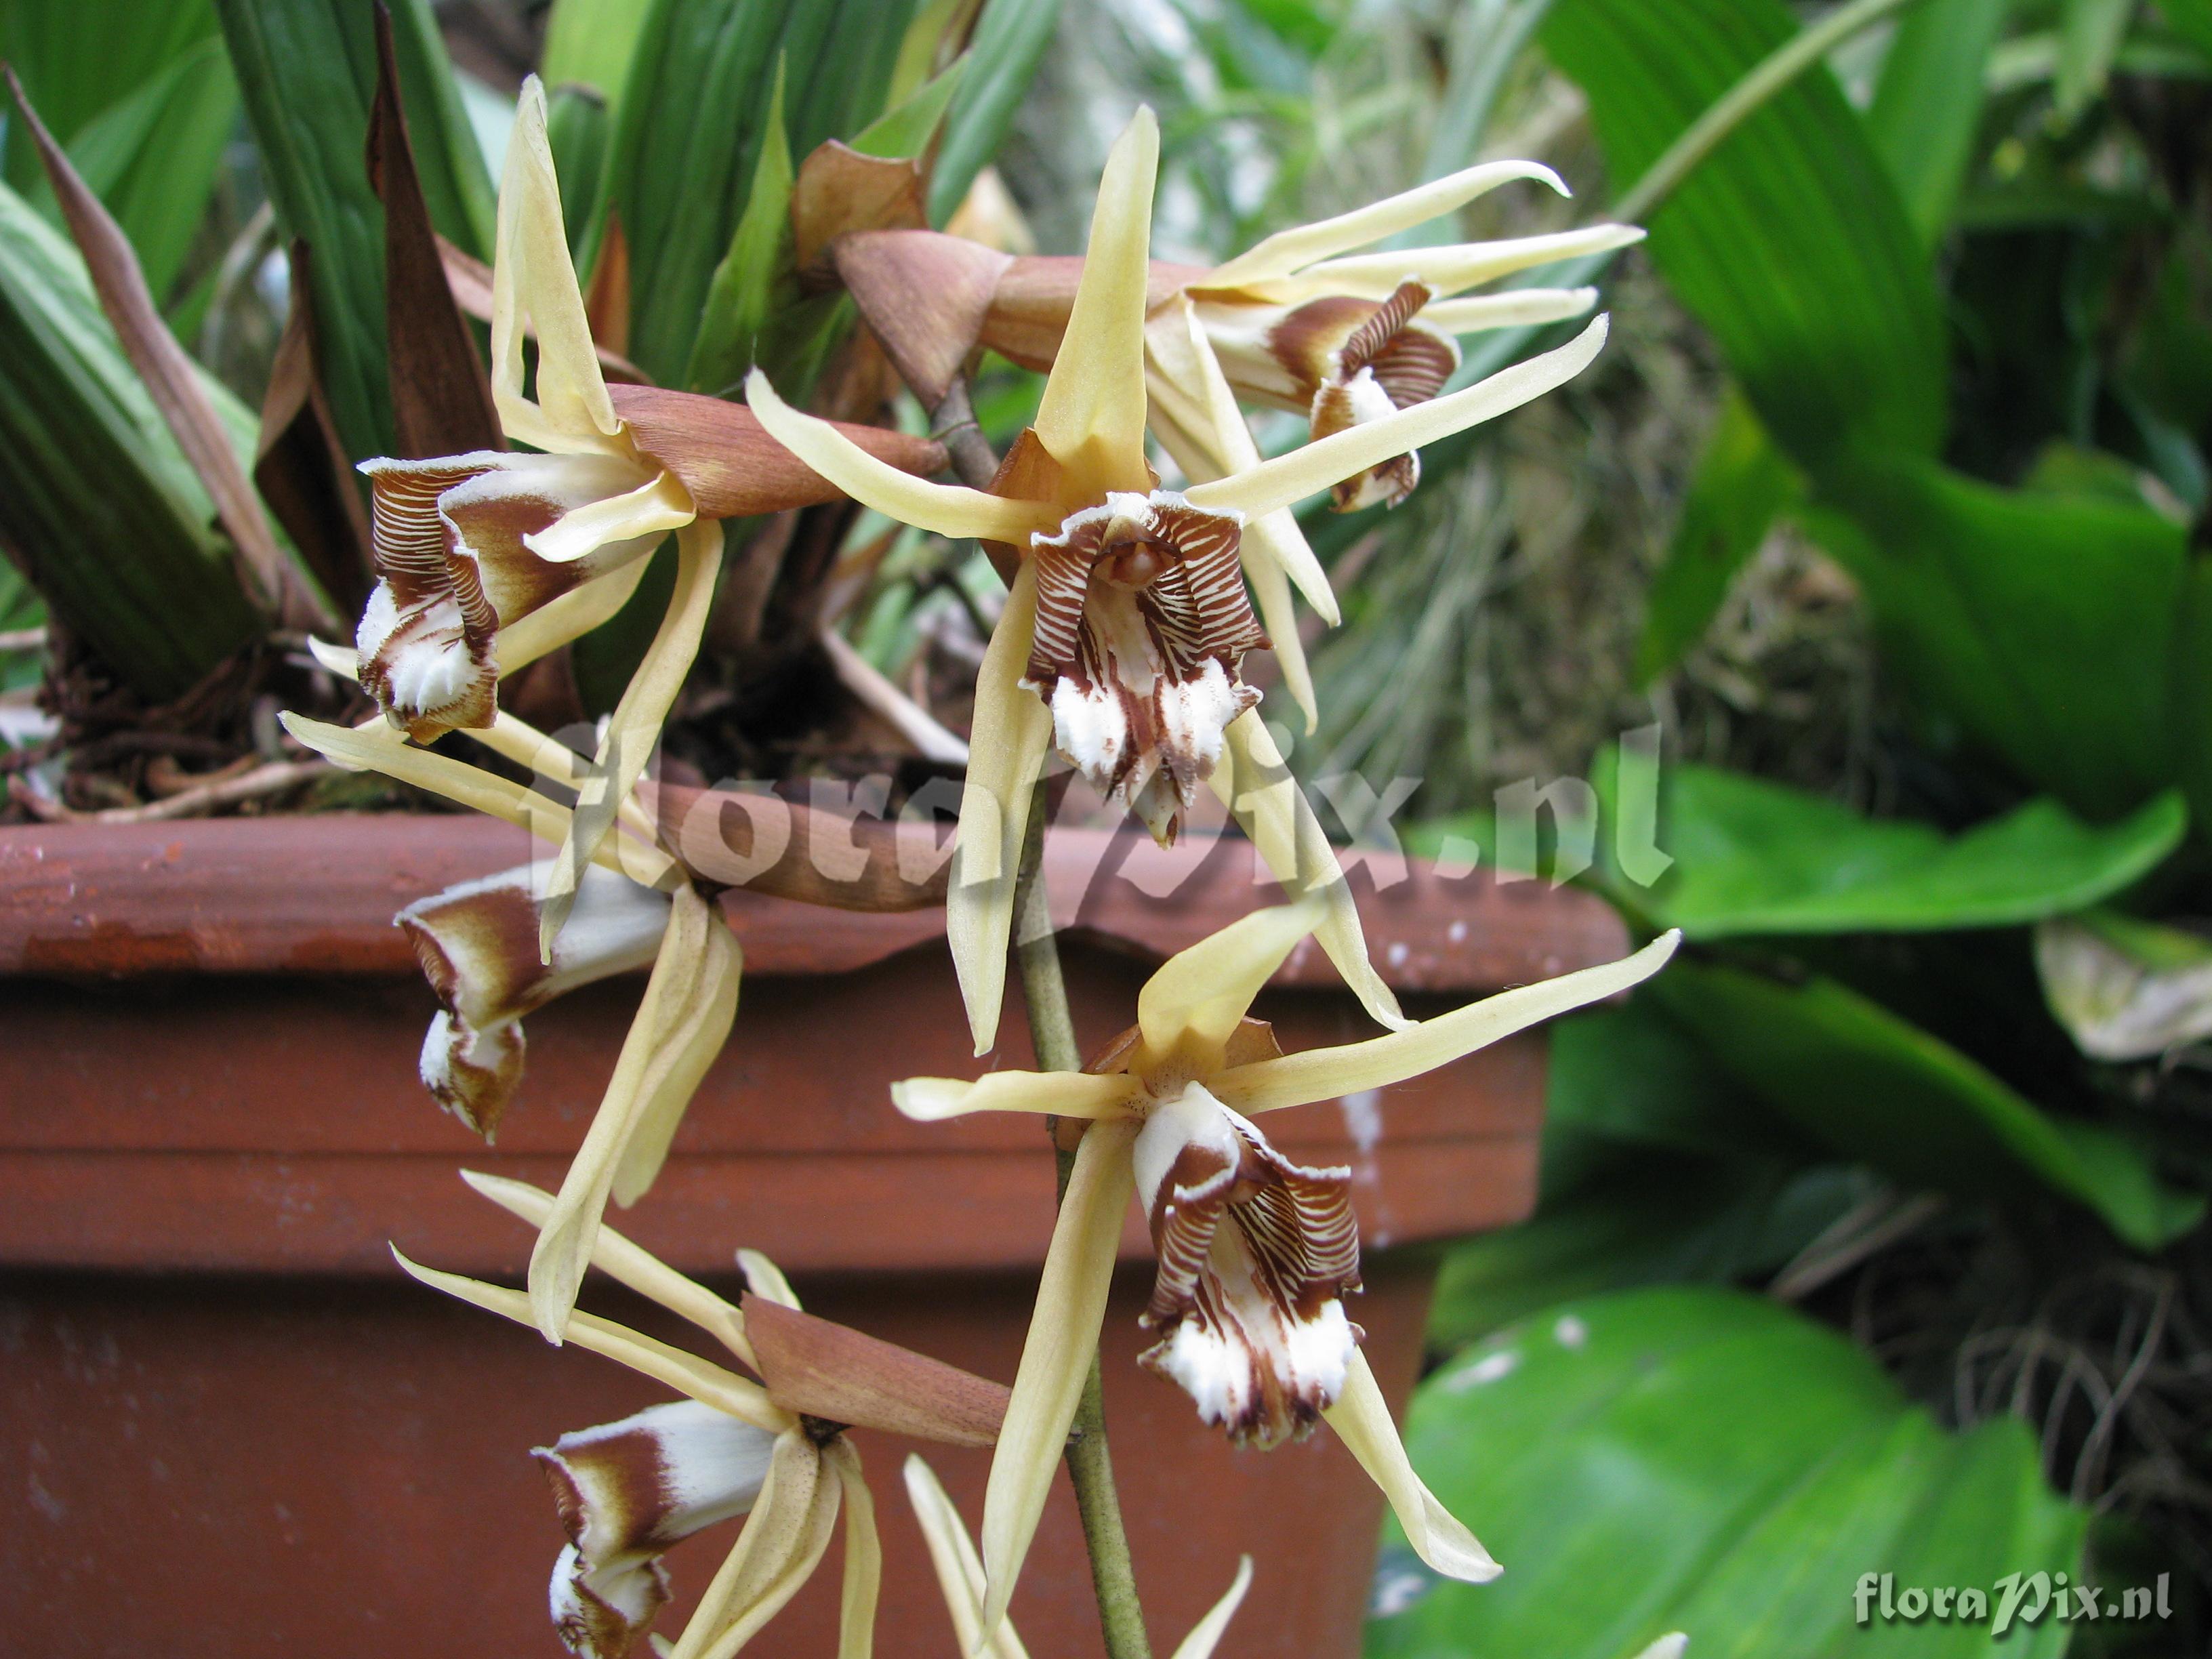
<point x="1089" y="1464"/>
<point x="1052" y="1035"/>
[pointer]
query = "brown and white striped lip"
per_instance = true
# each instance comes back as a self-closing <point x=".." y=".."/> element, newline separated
<point x="1338" y="360"/>
<point x="448" y="538"/>
<point x="1256" y="1255"/>
<point x="477" y="943"/>
<point x="602" y="1614"/>
<point x="630" y="1489"/>
<point x="1142" y="620"/>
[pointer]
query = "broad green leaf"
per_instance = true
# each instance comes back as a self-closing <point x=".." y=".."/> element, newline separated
<point x="2191" y="20"/>
<point x="1010" y="41"/>
<point x="755" y="277"/>
<point x="2089" y="36"/>
<point x="906" y="130"/>
<point x="151" y="157"/>
<point x="1789" y="241"/>
<point x="1704" y="1460"/>
<point x="109" y="521"/>
<point x="1754" y="857"/>
<point x="1743" y="482"/>
<point x="690" y="127"/>
<point x="2043" y="624"/>
<point x="2191" y="695"/>
<point x="307" y="73"/>
<point x="590" y="42"/>
<point x="1658" y="1165"/>
<point x="1928" y="103"/>
<point x="1852" y="1075"/>
<point x="78" y="58"/>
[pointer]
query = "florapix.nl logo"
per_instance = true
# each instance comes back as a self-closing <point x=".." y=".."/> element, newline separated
<point x="2017" y="1599"/>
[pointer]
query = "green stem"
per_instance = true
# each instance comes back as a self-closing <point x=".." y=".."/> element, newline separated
<point x="1089" y="1464"/>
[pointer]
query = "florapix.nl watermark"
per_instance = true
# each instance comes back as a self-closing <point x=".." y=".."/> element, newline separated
<point x="2017" y="1599"/>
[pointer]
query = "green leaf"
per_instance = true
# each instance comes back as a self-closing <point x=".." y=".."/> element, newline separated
<point x="97" y="501"/>
<point x="591" y="43"/>
<point x="2191" y="694"/>
<point x="79" y="58"/>
<point x="1787" y="242"/>
<point x="2043" y="624"/>
<point x="1851" y="1074"/>
<point x="690" y="127"/>
<point x="2191" y="20"/>
<point x="1928" y="103"/>
<point x="1704" y="1460"/>
<point x="151" y="157"/>
<point x="2089" y="36"/>
<point x="306" y="72"/>
<point x="1009" y="43"/>
<point x="1743" y="482"/>
<point x="906" y="130"/>
<point x="755" y="277"/>
<point x="1753" y="857"/>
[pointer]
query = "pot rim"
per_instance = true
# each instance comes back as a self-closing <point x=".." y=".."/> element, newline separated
<point x="316" y="894"/>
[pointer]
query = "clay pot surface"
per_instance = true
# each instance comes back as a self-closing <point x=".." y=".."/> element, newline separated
<point x="244" y="1434"/>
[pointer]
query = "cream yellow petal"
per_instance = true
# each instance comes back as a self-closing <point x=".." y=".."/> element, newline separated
<point x="783" y="1541"/>
<point x="1008" y="740"/>
<point x="633" y="730"/>
<point x="1313" y="467"/>
<point x="1329" y="1073"/>
<point x="378" y="748"/>
<point x="340" y="660"/>
<point x="1362" y="1421"/>
<point x="575" y="614"/>
<point x="1206" y="1633"/>
<point x="1271" y="598"/>
<point x="1255" y="782"/>
<point x="764" y="1279"/>
<point x="1666" y="1647"/>
<point x="1092" y="415"/>
<point x="628" y="1263"/>
<point x="533" y="286"/>
<point x="679" y="1003"/>
<point x="1063" y="1335"/>
<point x="708" y="1383"/>
<point x="677" y="1072"/>
<point x="1196" y="419"/>
<point x="1291" y="249"/>
<point x="864" y="1555"/>
<point x="526" y="745"/>
<point x="959" y="1569"/>
<point x="1062" y="1094"/>
<point x="1194" y="1001"/>
<point x="657" y="505"/>
<point x="1519" y="307"/>
<point x="1447" y="270"/>
<point x="950" y="510"/>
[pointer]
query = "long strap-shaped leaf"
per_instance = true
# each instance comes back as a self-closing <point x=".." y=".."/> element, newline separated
<point x="173" y="382"/>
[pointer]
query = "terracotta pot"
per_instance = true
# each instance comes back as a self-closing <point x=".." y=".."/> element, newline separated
<point x="236" y="1431"/>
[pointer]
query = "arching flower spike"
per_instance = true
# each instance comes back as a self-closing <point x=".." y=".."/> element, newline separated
<point x="1256" y="1252"/>
<point x="771" y="1450"/>
<point x="1128" y="618"/>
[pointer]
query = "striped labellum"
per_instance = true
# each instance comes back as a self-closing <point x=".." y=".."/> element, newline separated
<point x="1142" y="622"/>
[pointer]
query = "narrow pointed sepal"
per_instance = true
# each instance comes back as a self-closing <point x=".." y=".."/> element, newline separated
<point x="1361" y="1419"/>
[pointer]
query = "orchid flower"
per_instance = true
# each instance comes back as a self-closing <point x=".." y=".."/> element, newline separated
<point x="1127" y="617"/>
<point x="489" y="560"/>
<point x="475" y="943"/>
<point x="1299" y="322"/>
<point x="960" y="1575"/>
<point x="1256" y="1252"/>
<point x="773" y="1450"/>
